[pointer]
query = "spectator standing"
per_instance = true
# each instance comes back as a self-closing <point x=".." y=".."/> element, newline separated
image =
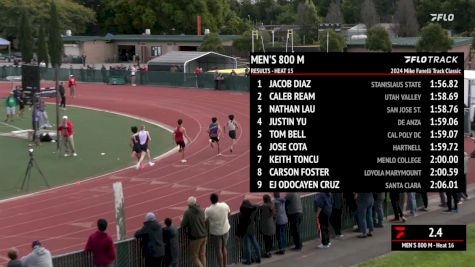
<point x="295" y="214"/>
<point x="281" y="221"/>
<point x="101" y="245"/>
<point x="267" y="223"/>
<point x="198" y="72"/>
<point x="335" y="217"/>
<point x="217" y="217"/>
<point x="378" y="213"/>
<point x="13" y="256"/>
<point x="151" y="236"/>
<point x="247" y="231"/>
<point x="452" y="201"/>
<point x="72" y="85"/>
<point x="39" y="256"/>
<point x="194" y="225"/>
<point x="411" y="198"/>
<point x="18" y="94"/>
<point x="62" y="95"/>
<point x="83" y="57"/>
<point x="398" y="215"/>
<point x="133" y="72"/>
<point x="365" y="203"/>
<point x="323" y="207"/>
<point x="464" y="194"/>
<point x="425" y="201"/>
<point x="170" y="238"/>
<point x="10" y="103"/>
<point x="66" y="130"/>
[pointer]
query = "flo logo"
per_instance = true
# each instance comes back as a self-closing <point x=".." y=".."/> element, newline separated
<point x="442" y="17"/>
<point x="401" y="231"/>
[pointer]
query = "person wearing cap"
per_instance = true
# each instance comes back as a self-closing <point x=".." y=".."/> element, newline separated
<point x="39" y="256"/>
<point x="72" y="85"/>
<point x="66" y="132"/>
<point x="11" y="104"/>
<point x="13" y="256"/>
<point x="194" y="225"/>
<point x="151" y="237"/>
<point x="101" y="245"/>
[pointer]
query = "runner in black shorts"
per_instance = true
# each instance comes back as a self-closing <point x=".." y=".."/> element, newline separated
<point x="214" y="133"/>
<point x="179" y="136"/>
<point x="232" y="126"/>
<point x="135" y="143"/>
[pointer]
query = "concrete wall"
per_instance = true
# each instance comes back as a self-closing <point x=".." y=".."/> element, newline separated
<point x="97" y="51"/>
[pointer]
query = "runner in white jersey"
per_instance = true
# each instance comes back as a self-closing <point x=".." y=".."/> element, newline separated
<point x="232" y="126"/>
<point x="144" y="139"/>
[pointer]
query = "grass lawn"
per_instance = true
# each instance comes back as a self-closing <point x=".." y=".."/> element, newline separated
<point x="95" y="133"/>
<point x="429" y="258"/>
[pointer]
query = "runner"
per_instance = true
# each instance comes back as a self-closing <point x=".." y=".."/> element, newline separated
<point x="134" y="143"/>
<point x="144" y="139"/>
<point x="214" y="133"/>
<point x="232" y="126"/>
<point x="179" y="136"/>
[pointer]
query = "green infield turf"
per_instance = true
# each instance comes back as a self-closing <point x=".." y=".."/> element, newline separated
<point x="101" y="142"/>
<point x="429" y="258"/>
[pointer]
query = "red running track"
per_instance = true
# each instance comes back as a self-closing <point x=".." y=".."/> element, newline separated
<point x="63" y="218"/>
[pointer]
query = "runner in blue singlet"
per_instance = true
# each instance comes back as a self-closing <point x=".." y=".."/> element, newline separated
<point x="214" y="133"/>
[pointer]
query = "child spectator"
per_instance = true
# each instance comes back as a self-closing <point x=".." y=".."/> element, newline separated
<point x="170" y="238"/>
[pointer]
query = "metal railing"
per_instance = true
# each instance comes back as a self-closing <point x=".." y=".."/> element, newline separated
<point x="174" y="79"/>
<point x="129" y="251"/>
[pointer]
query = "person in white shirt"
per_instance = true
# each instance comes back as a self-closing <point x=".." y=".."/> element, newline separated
<point x="39" y="256"/>
<point x="232" y="126"/>
<point x="144" y="139"/>
<point x="217" y="218"/>
<point x="133" y="70"/>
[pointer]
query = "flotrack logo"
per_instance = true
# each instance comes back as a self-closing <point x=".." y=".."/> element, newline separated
<point x="442" y="17"/>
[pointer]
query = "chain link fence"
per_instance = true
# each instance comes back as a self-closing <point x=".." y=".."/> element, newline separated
<point x="123" y="76"/>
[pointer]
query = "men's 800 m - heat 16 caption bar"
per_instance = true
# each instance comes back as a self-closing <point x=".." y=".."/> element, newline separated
<point x="357" y="122"/>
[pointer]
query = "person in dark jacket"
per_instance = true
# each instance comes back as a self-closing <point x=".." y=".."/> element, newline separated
<point x="323" y="207"/>
<point x="13" y="256"/>
<point x="365" y="202"/>
<point x="151" y="237"/>
<point x="335" y="217"/>
<point x="194" y="225"/>
<point x="267" y="223"/>
<point x="62" y="95"/>
<point x="281" y="221"/>
<point x="101" y="245"/>
<point x="170" y="238"/>
<point x="246" y="230"/>
<point x="293" y="205"/>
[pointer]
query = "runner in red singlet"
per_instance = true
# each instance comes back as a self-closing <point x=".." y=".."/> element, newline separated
<point x="179" y="136"/>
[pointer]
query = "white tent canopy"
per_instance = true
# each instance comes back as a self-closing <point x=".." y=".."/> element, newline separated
<point x="4" y="42"/>
<point x="187" y="61"/>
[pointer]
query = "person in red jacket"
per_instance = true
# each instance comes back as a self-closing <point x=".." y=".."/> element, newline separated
<point x="66" y="133"/>
<point x="101" y="246"/>
<point x="72" y="85"/>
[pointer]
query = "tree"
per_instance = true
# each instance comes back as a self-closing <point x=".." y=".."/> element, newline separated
<point x="286" y="15"/>
<point x="334" y="14"/>
<point x="72" y="16"/>
<point x="212" y="42"/>
<point x="433" y="39"/>
<point x="406" y="18"/>
<point x="369" y="14"/>
<point x="463" y="10"/>
<point x="25" y="37"/>
<point x="55" y="42"/>
<point x="42" y="50"/>
<point x="378" y="40"/>
<point x="351" y="11"/>
<point x="307" y="18"/>
<point x="331" y="41"/>
<point x="385" y="9"/>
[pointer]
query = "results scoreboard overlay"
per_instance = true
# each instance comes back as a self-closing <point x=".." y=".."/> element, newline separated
<point x="360" y="122"/>
<point x="428" y="237"/>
